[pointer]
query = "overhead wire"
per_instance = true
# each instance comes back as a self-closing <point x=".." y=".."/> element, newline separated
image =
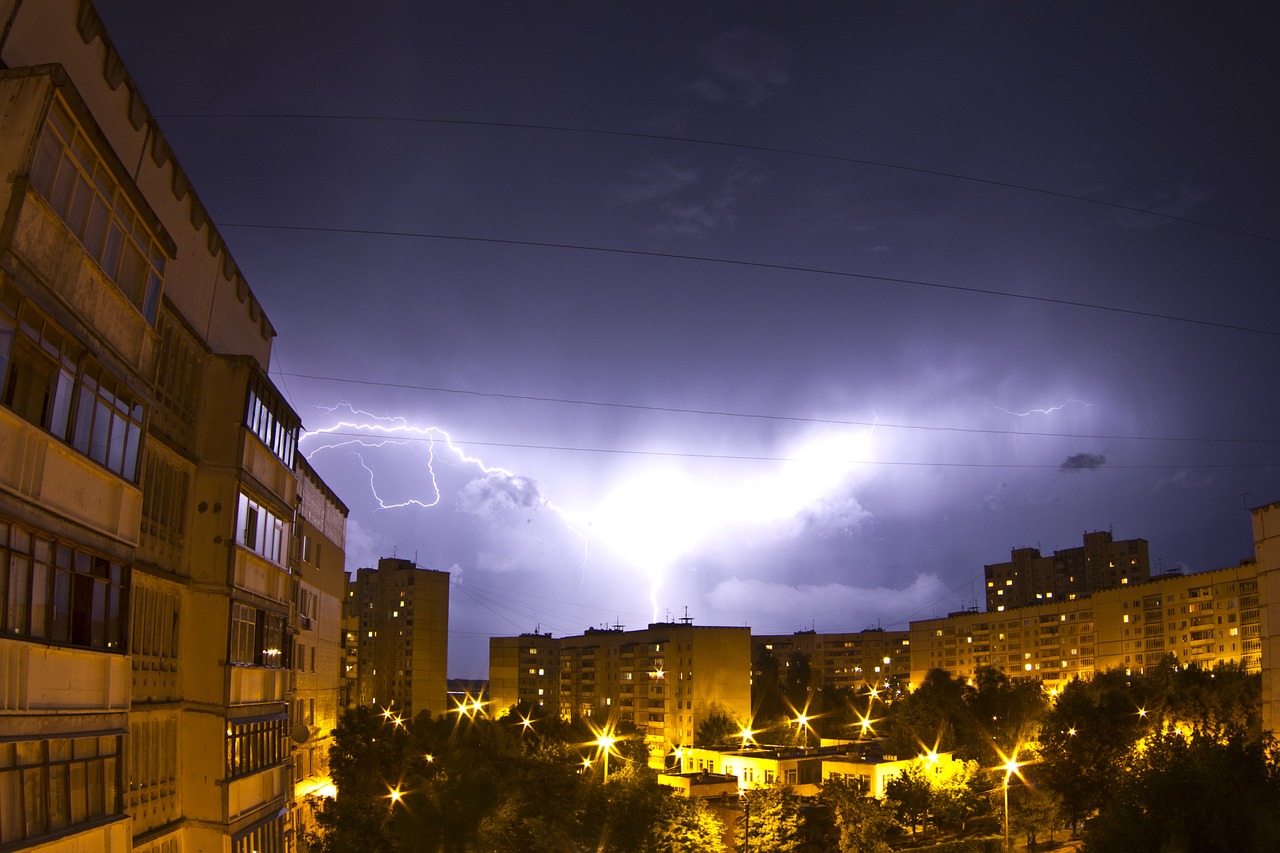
<point x="743" y="146"/>
<point x="742" y="457"/>
<point x="876" y="424"/>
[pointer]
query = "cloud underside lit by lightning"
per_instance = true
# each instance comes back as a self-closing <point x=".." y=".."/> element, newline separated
<point x="645" y="521"/>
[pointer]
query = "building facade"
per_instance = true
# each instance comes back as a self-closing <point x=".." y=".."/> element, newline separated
<point x="854" y="660"/>
<point x="401" y="617"/>
<point x="1266" y="539"/>
<point x="150" y="489"/>
<point x="665" y="679"/>
<point x="1100" y="563"/>
<point x="319" y="534"/>
<point x="1200" y="618"/>
<point x="524" y="670"/>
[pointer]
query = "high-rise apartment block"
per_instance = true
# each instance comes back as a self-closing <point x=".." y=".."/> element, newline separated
<point x="851" y="660"/>
<point x="168" y="566"/>
<point x="1266" y="538"/>
<point x="400" y="614"/>
<point x="1200" y="618"/>
<point x="665" y="679"/>
<point x="1100" y="563"/>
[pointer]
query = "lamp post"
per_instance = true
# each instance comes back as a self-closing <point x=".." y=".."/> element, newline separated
<point x="1010" y="767"/>
<point x="802" y="722"/>
<point x="605" y="742"/>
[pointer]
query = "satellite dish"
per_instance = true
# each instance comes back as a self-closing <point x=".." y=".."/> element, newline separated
<point x="300" y="733"/>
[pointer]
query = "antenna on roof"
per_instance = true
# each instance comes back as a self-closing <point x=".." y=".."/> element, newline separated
<point x="686" y="619"/>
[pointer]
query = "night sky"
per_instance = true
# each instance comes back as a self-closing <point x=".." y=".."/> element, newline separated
<point x="792" y="320"/>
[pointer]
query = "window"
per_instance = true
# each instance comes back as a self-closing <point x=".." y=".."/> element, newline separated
<point x="55" y="592"/>
<point x="273" y="422"/>
<point x="108" y="423"/>
<point x="266" y="837"/>
<point x="77" y="184"/>
<point x="49" y="382"/>
<point x="260" y="530"/>
<point x="48" y="786"/>
<point x="257" y="637"/>
<point x="257" y="744"/>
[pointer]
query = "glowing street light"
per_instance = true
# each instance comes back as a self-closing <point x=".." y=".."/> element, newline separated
<point x="606" y="742"/>
<point x="1010" y="767"/>
<point x="802" y="723"/>
<point x="746" y="735"/>
<point x="394" y="796"/>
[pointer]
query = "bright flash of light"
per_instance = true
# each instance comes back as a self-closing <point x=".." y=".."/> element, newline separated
<point x="659" y="514"/>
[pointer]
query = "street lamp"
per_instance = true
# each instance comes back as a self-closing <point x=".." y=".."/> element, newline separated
<point x="802" y="722"/>
<point x="606" y="742"/>
<point x="1010" y="767"/>
<point x="745" y="734"/>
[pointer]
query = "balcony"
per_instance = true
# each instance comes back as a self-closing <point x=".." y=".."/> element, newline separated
<point x="259" y="575"/>
<point x="248" y="793"/>
<point x="36" y="677"/>
<point x="38" y="467"/>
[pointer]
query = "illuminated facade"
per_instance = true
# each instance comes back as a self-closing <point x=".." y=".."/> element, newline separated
<point x="1266" y="538"/>
<point x="524" y="669"/>
<point x="1100" y="563"/>
<point x="1200" y="618"/>
<point x="153" y="515"/>
<point x="318" y="648"/>
<point x="665" y="679"/>
<point x="402" y="636"/>
<point x="851" y="660"/>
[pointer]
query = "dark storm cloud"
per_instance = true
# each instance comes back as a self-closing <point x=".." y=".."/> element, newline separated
<point x="1083" y="462"/>
<point x="745" y="67"/>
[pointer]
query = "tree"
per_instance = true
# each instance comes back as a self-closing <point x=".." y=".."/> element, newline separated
<point x="927" y="718"/>
<point x="1192" y="793"/>
<point x="1033" y="811"/>
<point x="770" y="820"/>
<point x="686" y="825"/>
<point x="718" y="729"/>
<point x="910" y="795"/>
<point x="955" y="798"/>
<point x="1086" y="738"/>
<point x="862" y="824"/>
<point x="367" y="760"/>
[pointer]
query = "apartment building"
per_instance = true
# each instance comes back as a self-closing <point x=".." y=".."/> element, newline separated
<point x="402" y="636"/>
<point x="1266" y="538"/>
<point x="854" y="660"/>
<point x="149" y="483"/>
<point x="665" y="679"/>
<point x="1200" y="618"/>
<point x="524" y="670"/>
<point x="320" y="534"/>
<point x="1100" y="563"/>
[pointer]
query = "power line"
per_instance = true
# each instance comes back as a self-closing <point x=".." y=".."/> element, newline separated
<point x="623" y="451"/>
<point x="676" y="256"/>
<point x="743" y="146"/>
<point x="768" y="417"/>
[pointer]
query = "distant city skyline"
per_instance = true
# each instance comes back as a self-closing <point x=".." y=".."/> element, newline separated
<point x="792" y="320"/>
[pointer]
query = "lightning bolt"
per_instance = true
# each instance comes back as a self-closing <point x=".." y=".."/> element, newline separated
<point x="1048" y="411"/>
<point x="398" y="431"/>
